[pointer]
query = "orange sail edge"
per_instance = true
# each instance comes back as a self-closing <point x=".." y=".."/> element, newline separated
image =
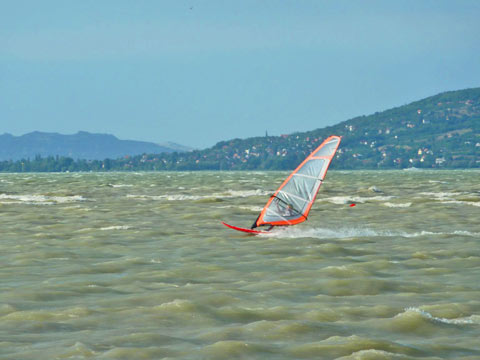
<point x="293" y="200"/>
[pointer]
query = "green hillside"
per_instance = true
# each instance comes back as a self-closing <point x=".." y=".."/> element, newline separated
<point x="442" y="131"/>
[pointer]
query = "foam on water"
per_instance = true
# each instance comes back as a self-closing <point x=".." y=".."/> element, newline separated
<point x="325" y="233"/>
<point x="120" y="185"/>
<point x="173" y="197"/>
<point x="243" y="193"/>
<point x="341" y="200"/>
<point x="36" y="199"/>
<point x="430" y="233"/>
<point x="447" y="197"/>
<point x="471" y="203"/>
<point x="352" y="232"/>
<point x="473" y="319"/>
<point x="115" y="227"/>
<point x="441" y="195"/>
<point x="186" y="197"/>
<point x="397" y="205"/>
<point x="374" y="354"/>
<point x="249" y="208"/>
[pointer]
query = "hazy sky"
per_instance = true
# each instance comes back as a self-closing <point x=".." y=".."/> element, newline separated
<point x="201" y="71"/>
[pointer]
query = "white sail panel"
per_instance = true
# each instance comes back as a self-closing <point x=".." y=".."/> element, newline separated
<point x="328" y="149"/>
<point x="294" y="197"/>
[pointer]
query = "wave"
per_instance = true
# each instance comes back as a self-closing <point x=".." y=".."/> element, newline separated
<point x="323" y="233"/>
<point x="374" y="354"/>
<point x="341" y="200"/>
<point x="39" y="199"/>
<point x="351" y="232"/>
<point x="244" y="193"/>
<point x="446" y="195"/>
<point x="453" y="198"/>
<point x="427" y="233"/>
<point x="177" y="197"/>
<point x="473" y="319"/>
<point x="184" y="197"/>
<point x="249" y="208"/>
<point x="116" y="227"/>
<point x="398" y="205"/>
<point x="472" y="203"/>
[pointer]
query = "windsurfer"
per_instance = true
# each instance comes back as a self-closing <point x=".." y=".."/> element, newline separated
<point x="288" y="211"/>
<point x="254" y="225"/>
<point x="292" y="201"/>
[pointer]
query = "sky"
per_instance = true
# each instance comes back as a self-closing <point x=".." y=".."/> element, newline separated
<point x="198" y="72"/>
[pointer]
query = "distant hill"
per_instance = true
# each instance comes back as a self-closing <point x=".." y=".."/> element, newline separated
<point x="82" y="145"/>
<point x="441" y="131"/>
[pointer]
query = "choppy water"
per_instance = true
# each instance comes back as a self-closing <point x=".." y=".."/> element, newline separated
<point x="138" y="266"/>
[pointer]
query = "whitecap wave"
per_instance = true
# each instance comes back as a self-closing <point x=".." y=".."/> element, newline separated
<point x="464" y="232"/>
<point x="341" y="200"/>
<point x="39" y="199"/>
<point x="461" y="202"/>
<point x="244" y="193"/>
<point x="351" y="232"/>
<point x="174" y="197"/>
<point x="183" y="197"/>
<point x="374" y="354"/>
<point x="451" y="198"/>
<point x="323" y="233"/>
<point x="116" y="227"/>
<point x="120" y="185"/>
<point x="430" y="233"/>
<point x="252" y="208"/>
<point x="398" y="205"/>
<point x="445" y="195"/>
<point x="473" y="319"/>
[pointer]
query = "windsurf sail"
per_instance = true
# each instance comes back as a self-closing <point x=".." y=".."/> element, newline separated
<point x="292" y="201"/>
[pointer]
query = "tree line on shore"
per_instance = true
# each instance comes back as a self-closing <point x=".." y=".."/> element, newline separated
<point x="442" y="131"/>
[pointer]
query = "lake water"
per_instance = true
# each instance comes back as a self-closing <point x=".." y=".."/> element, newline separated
<point x="139" y="266"/>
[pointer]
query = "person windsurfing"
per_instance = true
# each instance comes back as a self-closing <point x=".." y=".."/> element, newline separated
<point x="291" y="203"/>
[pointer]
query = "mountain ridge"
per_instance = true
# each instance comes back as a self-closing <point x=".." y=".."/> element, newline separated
<point x="81" y="145"/>
<point x="440" y="131"/>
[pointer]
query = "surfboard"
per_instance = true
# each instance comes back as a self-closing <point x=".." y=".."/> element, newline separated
<point x="291" y="203"/>
<point x="249" y="231"/>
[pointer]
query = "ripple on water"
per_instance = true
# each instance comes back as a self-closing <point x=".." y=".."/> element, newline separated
<point x="339" y="346"/>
